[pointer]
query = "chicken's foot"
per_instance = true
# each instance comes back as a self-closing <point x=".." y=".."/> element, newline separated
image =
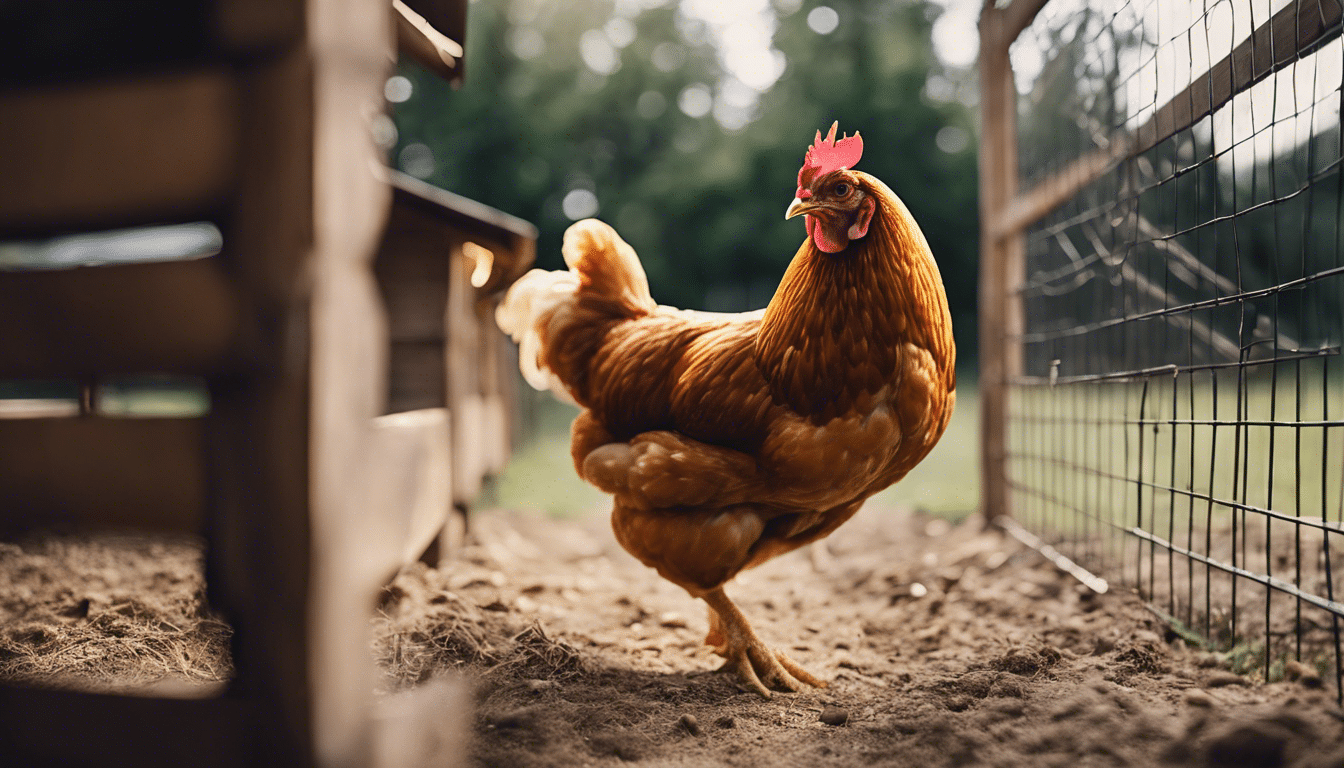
<point x="750" y="659"/>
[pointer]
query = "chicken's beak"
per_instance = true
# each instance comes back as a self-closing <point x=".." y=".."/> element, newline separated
<point x="797" y="207"/>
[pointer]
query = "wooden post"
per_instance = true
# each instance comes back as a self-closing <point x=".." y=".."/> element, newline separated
<point x="1001" y="253"/>
<point x="350" y="41"/>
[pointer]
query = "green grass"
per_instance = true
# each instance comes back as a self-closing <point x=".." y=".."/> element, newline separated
<point x="947" y="482"/>
<point x="541" y="477"/>
<point x="1086" y="445"/>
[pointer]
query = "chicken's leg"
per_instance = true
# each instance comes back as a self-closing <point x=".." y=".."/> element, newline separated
<point x="749" y="658"/>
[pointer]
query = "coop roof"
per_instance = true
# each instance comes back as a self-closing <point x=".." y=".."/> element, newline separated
<point x="470" y="218"/>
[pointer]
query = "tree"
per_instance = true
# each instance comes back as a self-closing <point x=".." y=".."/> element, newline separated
<point x="571" y="107"/>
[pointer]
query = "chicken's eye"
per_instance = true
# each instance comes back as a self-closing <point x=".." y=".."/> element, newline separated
<point x="841" y="189"/>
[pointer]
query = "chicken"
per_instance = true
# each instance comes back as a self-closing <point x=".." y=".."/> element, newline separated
<point x="729" y="439"/>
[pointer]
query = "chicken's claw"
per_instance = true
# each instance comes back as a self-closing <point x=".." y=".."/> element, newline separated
<point x="749" y="658"/>
<point x="753" y="662"/>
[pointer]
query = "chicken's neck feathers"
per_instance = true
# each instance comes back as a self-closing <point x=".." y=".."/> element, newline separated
<point x="838" y="323"/>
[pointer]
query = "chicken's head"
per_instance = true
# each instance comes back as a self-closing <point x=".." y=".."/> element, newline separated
<point x="836" y="201"/>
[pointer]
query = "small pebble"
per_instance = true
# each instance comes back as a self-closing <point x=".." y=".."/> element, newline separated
<point x="1224" y="679"/>
<point x="672" y="620"/>
<point x="726" y="721"/>
<point x="691" y="725"/>
<point x="834" y="716"/>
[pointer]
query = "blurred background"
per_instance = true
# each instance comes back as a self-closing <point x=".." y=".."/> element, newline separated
<point x="684" y="124"/>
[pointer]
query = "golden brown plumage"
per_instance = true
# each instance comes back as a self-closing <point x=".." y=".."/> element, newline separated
<point x="725" y="439"/>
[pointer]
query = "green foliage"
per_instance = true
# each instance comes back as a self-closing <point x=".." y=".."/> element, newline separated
<point x="701" y="204"/>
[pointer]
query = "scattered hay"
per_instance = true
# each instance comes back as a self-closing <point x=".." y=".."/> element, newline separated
<point x="108" y="612"/>
<point x="539" y="657"/>
<point x="425" y="629"/>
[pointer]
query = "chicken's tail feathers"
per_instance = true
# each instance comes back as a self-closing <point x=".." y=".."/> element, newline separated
<point x="611" y="279"/>
<point x="543" y="309"/>
<point x="525" y="313"/>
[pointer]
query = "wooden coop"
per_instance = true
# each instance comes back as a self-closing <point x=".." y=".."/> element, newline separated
<point x="1162" y="221"/>
<point x="342" y="334"/>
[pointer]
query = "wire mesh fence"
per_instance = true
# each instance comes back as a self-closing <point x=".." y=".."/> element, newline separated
<point x="1176" y="420"/>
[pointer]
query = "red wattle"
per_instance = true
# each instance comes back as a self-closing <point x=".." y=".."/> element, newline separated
<point x="821" y="238"/>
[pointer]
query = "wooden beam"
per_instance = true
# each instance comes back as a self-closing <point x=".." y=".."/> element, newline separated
<point x="428" y="725"/>
<point x="351" y="42"/>
<point x="1027" y="208"/>
<point x="259" y="559"/>
<point x="83" y="730"/>
<point x="172" y="316"/>
<point x="512" y="239"/>
<point x="135" y="473"/>
<point x="1001" y="258"/>
<point x="105" y="154"/>
<point x="1017" y="16"/>
<point x="430" y="48"/>
<point x="1272" y="46"/>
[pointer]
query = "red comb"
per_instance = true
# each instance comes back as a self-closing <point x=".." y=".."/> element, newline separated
<point x="826" y="155"/>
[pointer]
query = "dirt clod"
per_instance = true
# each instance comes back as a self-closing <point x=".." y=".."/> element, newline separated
<point x="834" y="716"/>
<point x="1222" y="679"/>
<point x="689" y="722"/>
<point x="1026" y="662"/>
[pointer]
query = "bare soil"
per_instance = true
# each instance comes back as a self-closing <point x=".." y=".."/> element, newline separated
<point x="943" y="645"/>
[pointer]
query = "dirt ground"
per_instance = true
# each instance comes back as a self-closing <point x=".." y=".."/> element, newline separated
<point x="944" y="646"/>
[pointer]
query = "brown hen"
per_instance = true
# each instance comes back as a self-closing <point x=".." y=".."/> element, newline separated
<point x="729" y="439"/>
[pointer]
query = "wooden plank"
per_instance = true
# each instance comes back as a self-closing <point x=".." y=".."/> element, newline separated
<point x="77" y="730"/>
<point x="173" y="316"/>
<point x="139" y="473"/>
<point x="100" y="154"/>
<point x="428" y="725"/>
<point x="411" y="478"/>
<point x="430" y="48"/>
<point x="351" y="45"/>
<point x="259" y="560"/>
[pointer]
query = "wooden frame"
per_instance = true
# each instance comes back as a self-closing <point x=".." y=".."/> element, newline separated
<point x="308" y="493"/>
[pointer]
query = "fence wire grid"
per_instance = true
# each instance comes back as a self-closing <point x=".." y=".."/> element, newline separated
<point x="1178" y="423"/>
